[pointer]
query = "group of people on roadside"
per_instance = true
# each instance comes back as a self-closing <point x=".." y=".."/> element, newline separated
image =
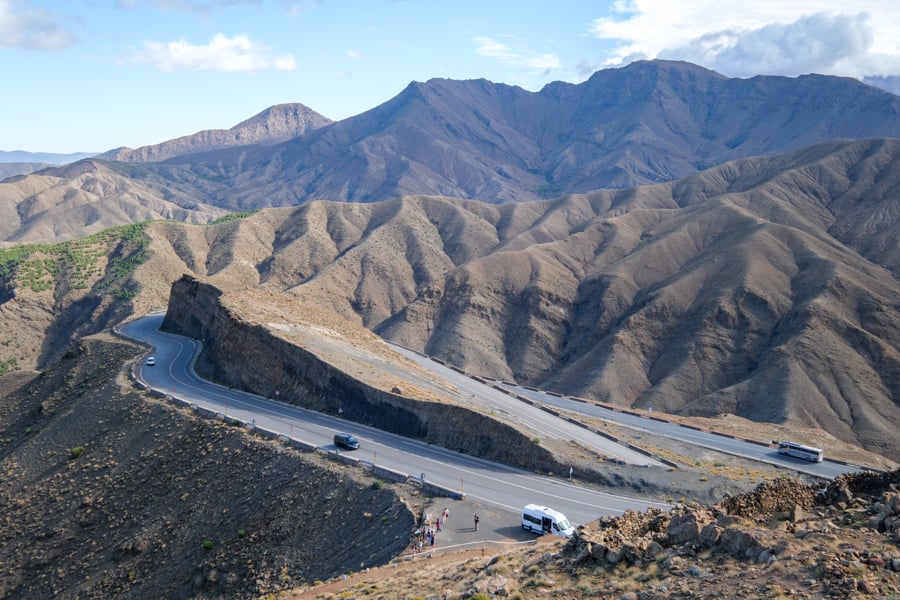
<point x="425" y="536"/>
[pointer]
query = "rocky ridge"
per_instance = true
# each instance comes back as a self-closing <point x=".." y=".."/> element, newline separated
<point x="711" y="295"/>
<point x="646" y="123"/>
<point x="785" y="539"/>
<point x="780" y="526"/>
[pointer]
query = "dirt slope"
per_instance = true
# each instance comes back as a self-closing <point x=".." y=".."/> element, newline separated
<point x="108" y="493"/>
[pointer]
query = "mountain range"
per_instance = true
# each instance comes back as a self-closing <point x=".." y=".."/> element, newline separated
<point x="649" y="122"/>
<point x="657" y="236"/>
<point x="18" y="162"/>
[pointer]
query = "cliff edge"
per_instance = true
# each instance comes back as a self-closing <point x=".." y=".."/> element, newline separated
<point x="274" y="345"/>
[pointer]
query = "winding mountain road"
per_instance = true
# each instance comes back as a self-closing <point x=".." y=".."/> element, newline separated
<point x="485" y="481"/>
<point x="826" y="469"/>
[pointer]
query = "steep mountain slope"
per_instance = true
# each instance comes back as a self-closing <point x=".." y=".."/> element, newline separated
<point x="89" y="196"/>
<point x="109" y="492"/>
<point x="728" y="291"/>
<point x="649" y="122"/>
<point x="765" y="287"/>
<point x="645" y="123"/>
<point x="722" y="293"/>
<point x="275" y="124"/>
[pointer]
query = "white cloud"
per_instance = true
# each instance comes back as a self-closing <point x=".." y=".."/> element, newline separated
<point x="32" y="28"/>
<point x="815" y="44"/>
<point x="238" y="53"/>
<point x="491" y="48"/>
<point x="353" y="54"/>
<point x="740" y="38"/>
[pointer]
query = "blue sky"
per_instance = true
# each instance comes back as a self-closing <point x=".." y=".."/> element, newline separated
<point x="91" y="75"/>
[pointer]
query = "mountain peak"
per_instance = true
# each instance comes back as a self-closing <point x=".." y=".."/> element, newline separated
<point x="293" y="118"/>
<point x="274" y="125"/>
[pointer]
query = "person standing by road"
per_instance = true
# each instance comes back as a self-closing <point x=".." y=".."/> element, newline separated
<point x="476" y="522"/>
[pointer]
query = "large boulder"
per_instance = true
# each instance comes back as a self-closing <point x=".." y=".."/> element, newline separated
<point x="737" y="542"/>
<point x="686" y="527"/>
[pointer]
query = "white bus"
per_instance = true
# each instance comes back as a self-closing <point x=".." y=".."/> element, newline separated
<point x="800" y="451"/>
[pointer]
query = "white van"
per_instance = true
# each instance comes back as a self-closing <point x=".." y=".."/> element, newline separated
<point x="541" y="519"/>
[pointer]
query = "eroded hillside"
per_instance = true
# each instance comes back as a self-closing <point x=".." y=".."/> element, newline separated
<point x="766" y="288"/>
<point x="646" y="123"/>
<point x="727" y="292"/>
<point x="107" y="492"/>
<point x="273" y="345"/>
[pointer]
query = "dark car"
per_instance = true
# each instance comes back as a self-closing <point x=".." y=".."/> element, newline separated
<point x="345" y="440"/>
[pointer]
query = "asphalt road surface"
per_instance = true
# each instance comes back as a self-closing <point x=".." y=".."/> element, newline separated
<point x="706" y="439"/>
<point x="545" y="424"/>
<point x="484" y="481"/>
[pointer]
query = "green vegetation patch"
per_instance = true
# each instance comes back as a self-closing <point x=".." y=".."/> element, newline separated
<point x="233" y="217"/>
<point x="8" y="365"/>
<point x="70" y="265"/>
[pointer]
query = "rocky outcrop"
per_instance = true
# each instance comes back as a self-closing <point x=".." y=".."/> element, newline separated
<point x="731" y="526"/>
<point x="777" y="496"/>
<point x="827" y="544"/>
<point x="254" y="357"/>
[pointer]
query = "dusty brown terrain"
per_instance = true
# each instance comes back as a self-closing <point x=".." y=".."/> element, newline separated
<point x="764" y="290"/>
<point x="106" y="492"/>
<point x="694" y="305"/>
<point x="783" y="540"/>
<point x="260" y="342"/>
<point x="710" y="295"/>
